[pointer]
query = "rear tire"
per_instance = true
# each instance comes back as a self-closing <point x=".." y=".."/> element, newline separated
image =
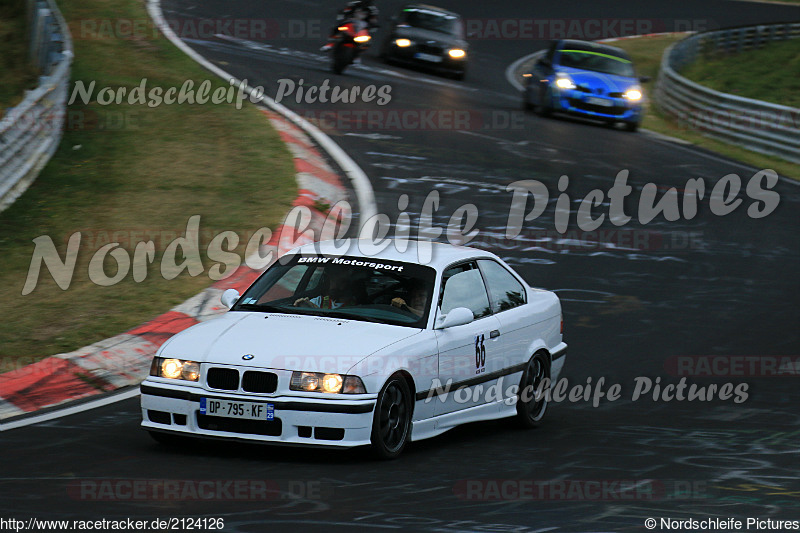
<point x="342" y="57"/>
<point x="391" y="423"/>
<point x="530" y="408"/>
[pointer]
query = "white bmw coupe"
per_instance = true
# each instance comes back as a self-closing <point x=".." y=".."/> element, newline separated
<point x="343" y="349"/>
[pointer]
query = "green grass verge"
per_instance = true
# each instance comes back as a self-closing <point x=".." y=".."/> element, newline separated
<point x="771" y="73"/>
<point x="16" y="73"/>
<point x="134" y="170"/>
<point x="646" y="53"/>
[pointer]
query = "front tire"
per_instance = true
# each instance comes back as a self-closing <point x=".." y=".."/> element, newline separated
<point x="631" y="126"/>
<point x="391" y="424"/>
<point x="530" y="408"/>
<point x="526" y="101"/>
<point x="543" y="109"/>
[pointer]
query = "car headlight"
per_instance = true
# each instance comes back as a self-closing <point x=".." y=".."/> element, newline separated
<point x="362" y="38"/>
<point x="402" y="43"/>
<point x="633" y="94"/>
<point x="564" y="82"/>
<point x="163" y="367"/>
<point x="456" y="53"/>
<point x="330" y="383"/>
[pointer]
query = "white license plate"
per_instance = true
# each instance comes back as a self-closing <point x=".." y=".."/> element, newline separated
<point x="599" y="101"/>
<point x="428" y="57"/>
<point x="234" y="409"/>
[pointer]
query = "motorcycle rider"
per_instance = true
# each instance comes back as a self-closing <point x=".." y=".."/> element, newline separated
<point x="358" y="10"/>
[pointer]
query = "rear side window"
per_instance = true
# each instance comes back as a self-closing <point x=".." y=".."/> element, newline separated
<point x="504" y="289"/>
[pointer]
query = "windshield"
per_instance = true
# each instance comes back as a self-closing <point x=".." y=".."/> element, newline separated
<point x="429" y="20"/>
<point x="597" y="62"/>
<point x="358" y="288"/>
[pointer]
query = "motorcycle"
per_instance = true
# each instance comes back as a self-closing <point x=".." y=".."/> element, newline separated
<point x="350" y="42"/>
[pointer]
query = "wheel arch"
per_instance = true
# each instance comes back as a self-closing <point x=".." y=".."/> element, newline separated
<point x="406" y="375"/>
<point x="539" y="346"/>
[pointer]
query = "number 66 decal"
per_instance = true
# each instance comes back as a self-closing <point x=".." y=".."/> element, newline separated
<point x="480" y="354"/>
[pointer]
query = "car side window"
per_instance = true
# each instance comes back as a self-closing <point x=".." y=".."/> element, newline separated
<point x="505" y="291"/>
<point x="462" y="286"/>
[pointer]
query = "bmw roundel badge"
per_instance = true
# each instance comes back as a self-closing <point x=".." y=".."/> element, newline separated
<point x="248" y="356"/>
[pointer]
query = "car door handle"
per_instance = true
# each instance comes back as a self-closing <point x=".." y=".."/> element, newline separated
<point x="494" y="333"/>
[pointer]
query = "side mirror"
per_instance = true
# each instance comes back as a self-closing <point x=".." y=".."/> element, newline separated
<point x="544" y="63"/>
<point x="456" y="317"/>
<point x="229" y="297"/>
<point x="644" y="79"/>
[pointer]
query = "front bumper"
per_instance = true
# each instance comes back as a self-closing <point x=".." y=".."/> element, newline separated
<point x="299" y="420"/>
<point x="577" y="102"/>
<point x="409" y="56"/>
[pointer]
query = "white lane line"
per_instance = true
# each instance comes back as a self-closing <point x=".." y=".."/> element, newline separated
<point x="92" y="404"/>
<point x="665" y="139"/>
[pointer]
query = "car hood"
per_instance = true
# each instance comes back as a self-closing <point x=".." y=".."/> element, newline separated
<point x="420" y="35"/>
<point x="608" y="83"/>
<point x="280" y="341"/>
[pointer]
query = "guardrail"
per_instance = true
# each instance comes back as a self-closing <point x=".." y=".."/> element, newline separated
<point x="31" y="131"/>
<point x="759" y="126"/>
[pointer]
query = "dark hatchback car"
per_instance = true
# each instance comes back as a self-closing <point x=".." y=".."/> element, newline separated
<point x="429" y="37"/>
<point x="586" y="79"/>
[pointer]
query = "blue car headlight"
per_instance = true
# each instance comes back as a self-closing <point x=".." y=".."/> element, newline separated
<point x="564" y="82"/>
<point x="634" y="94"/>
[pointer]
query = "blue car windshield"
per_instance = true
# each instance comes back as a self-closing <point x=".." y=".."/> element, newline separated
<point x="597" y="62"/>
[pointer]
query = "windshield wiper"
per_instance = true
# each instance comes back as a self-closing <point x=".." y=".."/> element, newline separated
<point x="351" y="316"/>
<point x="264" y="308"/>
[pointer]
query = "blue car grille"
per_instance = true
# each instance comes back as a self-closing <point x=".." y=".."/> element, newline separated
<point x="584" y="106"/>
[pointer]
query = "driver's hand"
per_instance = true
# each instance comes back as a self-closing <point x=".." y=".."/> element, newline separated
<point x="303" y="302"/>
<point x="399" y="302"/>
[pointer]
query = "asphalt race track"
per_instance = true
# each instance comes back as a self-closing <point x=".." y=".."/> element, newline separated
<point x="636" y="299"/>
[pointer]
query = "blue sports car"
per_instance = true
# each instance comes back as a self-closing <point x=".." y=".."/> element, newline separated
<point x="587" y="79"/>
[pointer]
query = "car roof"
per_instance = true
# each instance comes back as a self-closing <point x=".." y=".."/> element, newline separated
<point x="440" y="256"/>
<point x="590" y="46"/>
<point x="428" y="7"/>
